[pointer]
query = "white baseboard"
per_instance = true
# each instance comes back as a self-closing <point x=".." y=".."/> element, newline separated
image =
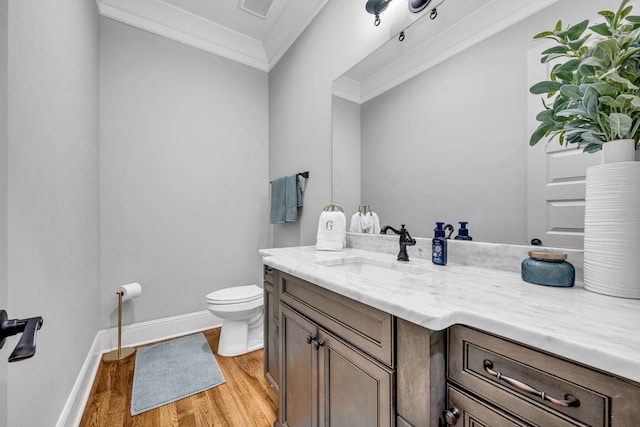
<point x="132" y="335"/>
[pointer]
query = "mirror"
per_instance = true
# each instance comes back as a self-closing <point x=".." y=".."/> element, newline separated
<point x="439" y="130"/>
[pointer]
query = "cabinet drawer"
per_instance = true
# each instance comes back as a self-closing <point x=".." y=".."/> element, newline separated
<point x="467" y="411"/>
<point x="480" y="362"/>
<point x="366" y="327"/>
<point x="267" y="274"/>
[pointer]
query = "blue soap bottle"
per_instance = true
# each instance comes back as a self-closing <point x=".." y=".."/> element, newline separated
<point x="463" y="232"/>
<point x="439" y="245"/>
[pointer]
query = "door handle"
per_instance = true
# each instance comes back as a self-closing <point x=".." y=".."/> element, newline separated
<point x="26" y="347"/>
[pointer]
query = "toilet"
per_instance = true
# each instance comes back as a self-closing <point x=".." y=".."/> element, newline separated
<point x="241" y="311"/>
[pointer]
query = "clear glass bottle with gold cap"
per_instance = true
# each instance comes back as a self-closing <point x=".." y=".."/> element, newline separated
<point x="548" y="268"/>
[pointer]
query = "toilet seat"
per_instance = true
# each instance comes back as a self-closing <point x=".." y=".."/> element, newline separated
<point x="235" y="295"/>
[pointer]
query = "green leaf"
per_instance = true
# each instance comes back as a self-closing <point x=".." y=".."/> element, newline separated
<point x="576" y="31"/>
<point x="628" y="54"/>
<point x="625" y="13"/>
<point x="571" y="91"/>
<point x="539" y="133"/>
<point x="610" y="47"/>
<point x="543" y="34"/>
<point x="604" y="89"/>
<point x="620" y="124"/>
<point x="634" y="19"/>
<point x="615" y="77"/>
<point x="590" y="102"/>
<point x="609" y="16"/>
<point x="574" y="138"/>
<point x="592" y="148"/>
<point x="572" y="112"/>
<point x="602" y="29"/>
<point x="551" y="57"/>
<point x="589" y="137"/>
<point x="545" y="116"/>
<point x="628" y="101"/>
<point x="558" y="26"/>
<point x="565" y="78"/>
<point x="545" y="87"/>
<point x="569" y="66"/>
<point x="577" y="44"/>
<point x="620" y="13"/>
<point x="609" y="102"/>
<point x="555" y="49"/>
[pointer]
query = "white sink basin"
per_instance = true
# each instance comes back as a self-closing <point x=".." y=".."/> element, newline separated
<point x="378" y="269"/>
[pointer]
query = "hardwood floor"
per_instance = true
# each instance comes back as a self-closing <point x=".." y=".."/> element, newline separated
<point x="245" y="399"/>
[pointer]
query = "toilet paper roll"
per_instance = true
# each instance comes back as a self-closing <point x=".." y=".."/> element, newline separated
<point x="130" y="290"/>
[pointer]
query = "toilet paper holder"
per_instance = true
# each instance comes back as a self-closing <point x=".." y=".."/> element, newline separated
<point x="125" y="292"/>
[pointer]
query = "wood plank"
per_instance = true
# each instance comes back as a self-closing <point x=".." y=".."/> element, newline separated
<point x="245" y="399"/>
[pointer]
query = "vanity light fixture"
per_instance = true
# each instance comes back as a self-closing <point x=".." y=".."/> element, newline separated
<point x="416" y="6"/>
<point x="376" y="7"/>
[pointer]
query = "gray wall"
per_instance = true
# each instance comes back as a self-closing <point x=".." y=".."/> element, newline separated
<point x="300" y="105"/>
<point x="346" y="153"/>
<point x="183" y="173"/>
<point x="443" y="147"/>
<point x="4" y="25"/>
<point x="53" y="258"/>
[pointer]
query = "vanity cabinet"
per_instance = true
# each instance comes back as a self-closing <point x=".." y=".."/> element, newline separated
<point x="517" y="385"/>
<point x="271" y="327"/>
<point x="336" y="359"/>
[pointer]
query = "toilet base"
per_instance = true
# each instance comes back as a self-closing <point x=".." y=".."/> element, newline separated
<point x="240" y="336"/>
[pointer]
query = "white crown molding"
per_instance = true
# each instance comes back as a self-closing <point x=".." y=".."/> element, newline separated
<point x="283" y="35"/>
<point x="463" y="34"/>
<point x="167" y="20"/>
<point x="347" y="88"/>
<point x="132" y="335"/>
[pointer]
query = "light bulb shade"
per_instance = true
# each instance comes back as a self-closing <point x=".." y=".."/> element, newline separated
<point x="375" y="7"/>
<point x="416" y="6"/>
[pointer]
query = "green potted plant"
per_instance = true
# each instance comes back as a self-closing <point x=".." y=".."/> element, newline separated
<point x="593" y="91"/>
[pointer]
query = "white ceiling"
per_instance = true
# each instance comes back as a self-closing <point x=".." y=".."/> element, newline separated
<point x="222" y="27"/>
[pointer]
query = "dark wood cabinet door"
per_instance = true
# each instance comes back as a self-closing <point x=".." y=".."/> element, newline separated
<point x="299" y="403"/>
<point x="271" y="338"/>
<point x="355" y="390"/>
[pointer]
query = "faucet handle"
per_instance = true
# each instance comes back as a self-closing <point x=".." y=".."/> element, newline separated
<point x="26" y="347"/>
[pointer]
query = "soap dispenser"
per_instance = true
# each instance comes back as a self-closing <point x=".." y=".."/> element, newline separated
<point x="463" y="232"/>
<point x="439" y="245"/>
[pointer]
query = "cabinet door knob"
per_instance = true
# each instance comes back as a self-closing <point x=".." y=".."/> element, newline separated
<point x="317" y="344"/>
<point x="451" y="416"/>
<point x="310" y="339"/>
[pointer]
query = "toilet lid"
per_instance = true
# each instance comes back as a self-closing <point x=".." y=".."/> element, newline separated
<point x="235" y="295"/>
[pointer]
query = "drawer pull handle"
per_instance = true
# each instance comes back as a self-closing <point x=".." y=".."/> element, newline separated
<point x="570" y="400"/>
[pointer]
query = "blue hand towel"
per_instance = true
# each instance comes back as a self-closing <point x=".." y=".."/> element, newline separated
<point x="286" y="198"/>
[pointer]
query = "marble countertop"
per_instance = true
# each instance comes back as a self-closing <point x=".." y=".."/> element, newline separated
<point x="595" y="330"/>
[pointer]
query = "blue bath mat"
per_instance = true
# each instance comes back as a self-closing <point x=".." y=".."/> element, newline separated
<point x="172" y="370"/>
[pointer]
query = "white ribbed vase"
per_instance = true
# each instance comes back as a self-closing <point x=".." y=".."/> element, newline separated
<point x="612" y="230"/>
